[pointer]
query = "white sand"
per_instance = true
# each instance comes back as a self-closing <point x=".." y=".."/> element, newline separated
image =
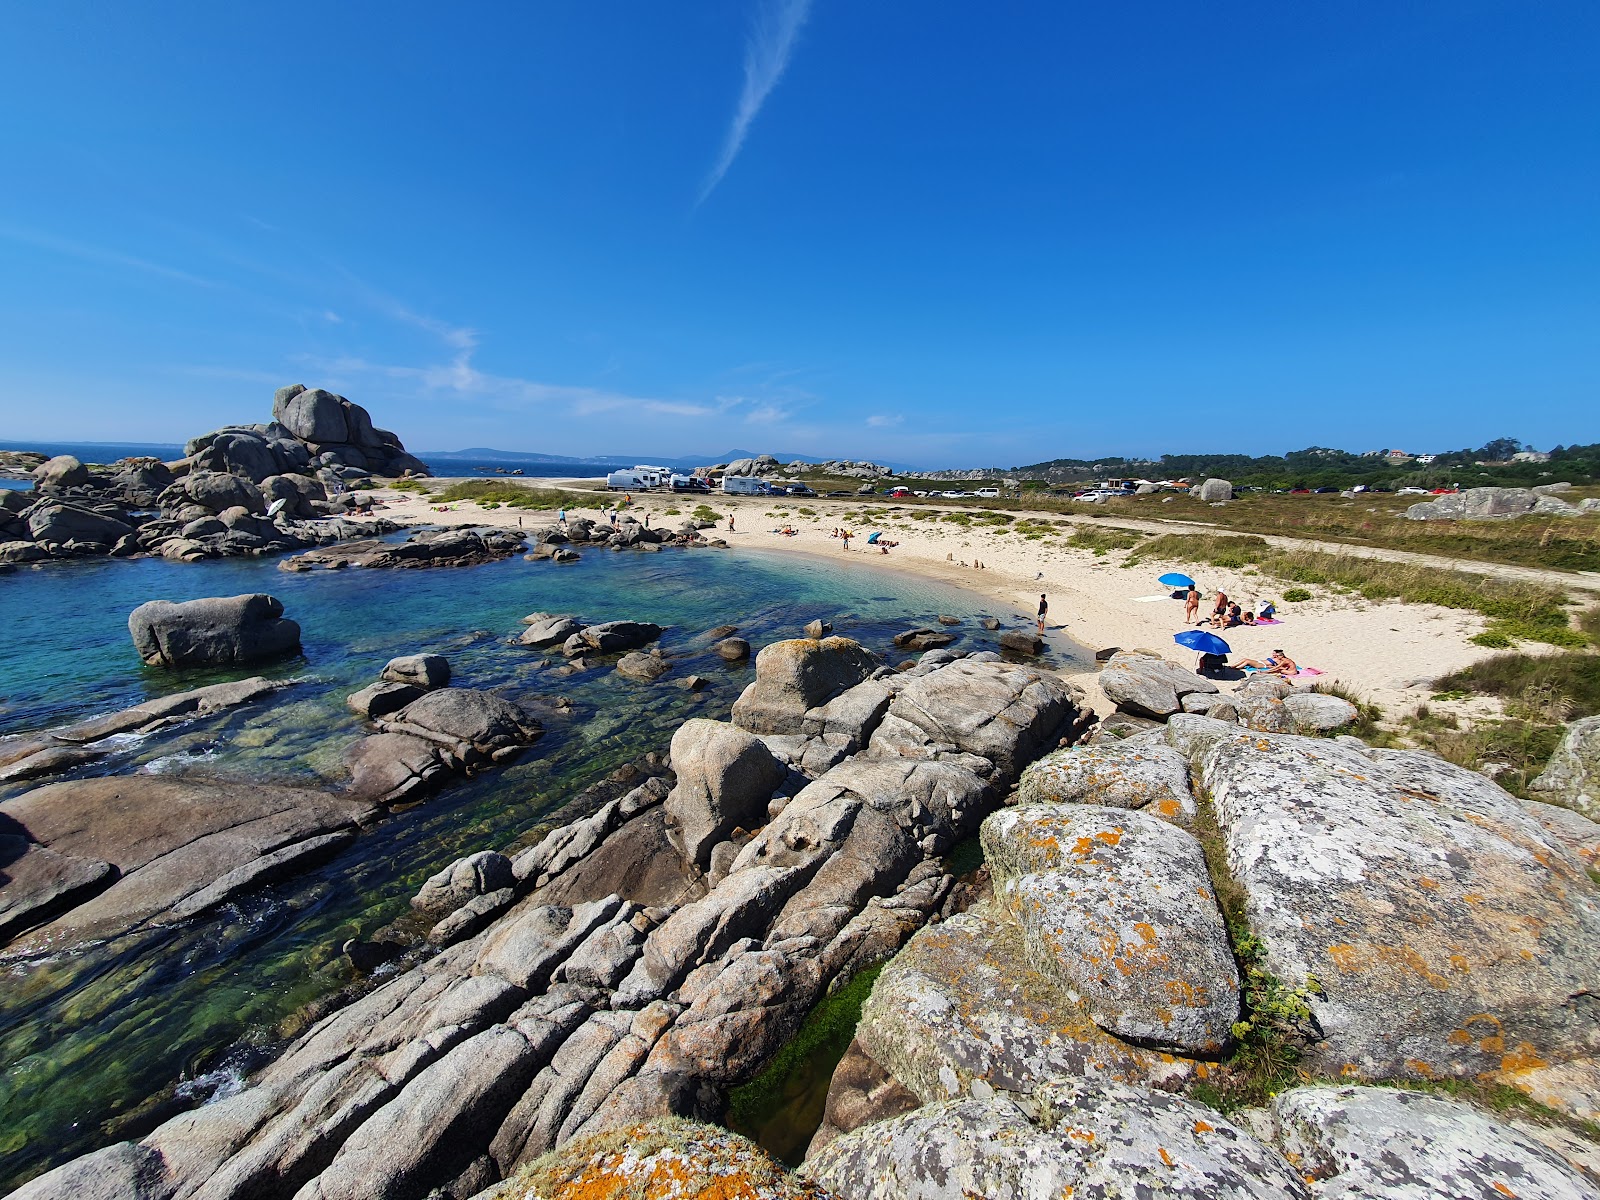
<point x="1373" y="649"/>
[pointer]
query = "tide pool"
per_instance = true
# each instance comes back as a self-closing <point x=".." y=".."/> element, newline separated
<point x="100" y="1043"/>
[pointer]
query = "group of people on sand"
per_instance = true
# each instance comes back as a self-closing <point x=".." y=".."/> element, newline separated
<point x="1225" y="613"/>
<point x="786" y="531"/>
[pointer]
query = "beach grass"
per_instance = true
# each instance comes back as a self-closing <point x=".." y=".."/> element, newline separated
<point x="505" y="494"/>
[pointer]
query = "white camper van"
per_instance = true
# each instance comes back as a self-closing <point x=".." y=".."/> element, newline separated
<point x="989" y="493"/>
<point x="638" y="479"/>
<point x="745" y="485"/>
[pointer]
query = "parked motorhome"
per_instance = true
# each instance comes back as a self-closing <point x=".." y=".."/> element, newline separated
<point x="638" y="479"/>
<point x="745" y="485"/>
<point x="689" y="483"/>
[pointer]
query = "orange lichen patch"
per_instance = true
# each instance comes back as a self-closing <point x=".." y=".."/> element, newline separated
<point x="1418" y="1067"/>
<point x="1430" y="884"/>
<point x="1146" y="932"/>
<point x="1168" y="808"/>
<point x="1086" y="1136"/>
<point x="1083" y="847"/>
<point x="1522" y="1058"/>
<point x="1165" y="1157"/>
<point x="1204" y="895"/>
<point x="1459" y="962"/>
<point x="1350" y="1071"/>
<point x="1204" y="1127"/>
<point x="1494" y="1044"/>
<point x="1483" y="1018"/>
<point x="1349" y="958"/>
<point x="1346" y="957"/>
<point x="1503" y="1189"/>
<point x="1459" y="1037"/>
<point x="1111" y="837"/>
<point x="1472" y="897"/>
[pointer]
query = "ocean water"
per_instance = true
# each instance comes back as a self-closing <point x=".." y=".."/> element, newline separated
<point x="102" y="1042"/>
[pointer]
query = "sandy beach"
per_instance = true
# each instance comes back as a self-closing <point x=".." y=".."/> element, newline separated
<point x="1374" y="649"/>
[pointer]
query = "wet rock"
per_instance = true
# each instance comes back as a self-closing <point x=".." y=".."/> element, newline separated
<point x="646" y="668"/>
<point x="725" y="778"/>
<point x="169" y="839"/>
<point x="1572" y="777"/>
<point x="1148" y="686"/>
<point x="1117" y="906"/>
<point x="425" y="671"/>
<point x="472" y="724"/>
<point x="390" y="768"/>
<point x="1447" y="931"/>
<point x="1021" y="641"/>
<point x="945" y="620"/>
<point x="1155" y="778"/>
<point x="610" y="637"/>
<point x="215" y="631"/>
<point x="380" y="699"/>
<point x="1083" y="1139"/>
<point x="923" y="639"/>
<point x="366" y="957"/>
<point x="1392" y="1145"/>
<point x="732" y="649"/>
<point x="818" y="629"/>
<point x="39" y="883"/>
<point x="551" y="631"/>
<point x="989" y="623"/>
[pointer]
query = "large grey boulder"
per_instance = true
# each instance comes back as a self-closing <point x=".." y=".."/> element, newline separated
<point x="1396" y="1145"/>
<point x="215" y="631"/>
<point x="62" y="471"/>
<point x="1214" y="490"/>
<point x="611" y="637"/>
<point x="473" y="724"/>
<point x="1117" y="775"/>
<point x="1084" y="1139"/>
<point x="551" y="631"/>
<point x="1446" y="930"/>
<point x="725" y="778"/>
<point x="66" y="526"/>
<point x="795" y="676"/>
<point x="1314" y="712"/>
<point x="1003" y="713"/>
<point x="1572" y="776"/>
<point x="312" y="416"/>
<point x="1147" y="686"/>
<point x="425" y="671"/>
<point x="1117" y="906"/>
<point x="463" y="880"/>
<point x="218" y="491"/>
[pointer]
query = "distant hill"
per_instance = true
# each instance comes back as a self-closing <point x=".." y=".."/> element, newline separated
<point x="488" y="454"/>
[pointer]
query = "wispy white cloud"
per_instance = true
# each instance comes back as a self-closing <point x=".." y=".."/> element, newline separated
<point x="766" y="54"/>
<point x="98" y="254"/>
<point x="885" y="420"/>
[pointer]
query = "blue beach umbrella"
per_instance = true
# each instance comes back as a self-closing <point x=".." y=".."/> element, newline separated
<point x="1174" y="579"/>
<point x="1205" y="643"/>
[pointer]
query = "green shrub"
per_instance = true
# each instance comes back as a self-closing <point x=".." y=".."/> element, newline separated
<point x="407" y="485"/>
<point x="1294" y="595"/>
<point x="499" y="492"/>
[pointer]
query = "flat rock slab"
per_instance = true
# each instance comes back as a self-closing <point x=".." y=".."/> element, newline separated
<point x="1396" y="1145"/>
<point x="1086" y="1140"/>
<point x="1447" y="930"/>
<point x="168" y="838"/>
<point x="1152" y="778"/>
<point x="38" y="883"/>
<point x="1148" y="686"/>
<point x="960" y="1009"/>
<point x="1116" y="904"/>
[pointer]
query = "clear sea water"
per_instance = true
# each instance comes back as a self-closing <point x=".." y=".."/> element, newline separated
<point x="101" y="1043"/>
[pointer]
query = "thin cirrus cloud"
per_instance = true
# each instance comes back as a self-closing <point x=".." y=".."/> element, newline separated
<point x="884" y="420"/>
<point x="766" y="55"/>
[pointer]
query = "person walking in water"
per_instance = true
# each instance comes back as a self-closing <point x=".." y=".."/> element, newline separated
<point x="1044" y="607"/>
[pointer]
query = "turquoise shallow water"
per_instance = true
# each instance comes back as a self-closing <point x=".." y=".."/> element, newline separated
<point x="102" y="1042"/>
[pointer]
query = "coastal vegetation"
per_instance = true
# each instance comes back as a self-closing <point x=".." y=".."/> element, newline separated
<point x="501" y="493"/>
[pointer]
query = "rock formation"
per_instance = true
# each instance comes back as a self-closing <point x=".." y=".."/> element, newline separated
<point x="1500" y="503"/>
<point x="215" y="631"/>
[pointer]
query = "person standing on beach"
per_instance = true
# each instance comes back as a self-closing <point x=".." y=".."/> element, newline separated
<point x="1044" y="607"/>
<point x="730" y="522"/>
<point x="846" y="536"/>
<point x="1191" y="606"/>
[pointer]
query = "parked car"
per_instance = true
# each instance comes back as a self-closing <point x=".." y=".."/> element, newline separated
<point x="1323" y="491"/>
<point x="1412" y="491"/>
<point x="899" y="492"/>
<point x="838" y="495"/>
<point x="799" y="489"/>
<point x="989" y="493"/>
<point x="1299" y="491"/>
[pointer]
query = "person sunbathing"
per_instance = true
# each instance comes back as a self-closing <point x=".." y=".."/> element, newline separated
<point x="1278" y="663"/>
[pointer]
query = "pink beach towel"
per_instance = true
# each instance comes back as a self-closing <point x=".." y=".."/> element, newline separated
<point x="1268" y="621"/>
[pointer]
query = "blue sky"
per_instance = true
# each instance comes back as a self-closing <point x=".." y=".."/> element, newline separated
<point x="942" y="233"/>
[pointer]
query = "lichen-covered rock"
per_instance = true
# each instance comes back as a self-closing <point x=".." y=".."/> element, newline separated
<point x="664" y="1159"/>
<point x="1117" y="906"/>
<point x="1572" y="829"/>
<point x="1572" y="776"/>
<point x="725" y="778"/>
<point x="1447" y="931"/>
<point x="1315" y="712"/>
<point x="795" y="676"/>
<point x="1148" y="686"/>
<point x="1117" y="775"/>
<point x="1265" y="714"/>
<point x="1086" y="1140"/>
<point x="1001" y="712"/>
<point x="960" y="1010"/>
<point x="1396" y="1145"/>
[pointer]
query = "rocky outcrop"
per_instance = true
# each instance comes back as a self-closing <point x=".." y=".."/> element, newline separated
<point x="1147" y="686"/>
<point x="616" y="983"/>
<point x="164" y="845"/>
<point x="59" y="472"/>
<point x="1214" y="491"/>
<point x="1446" y="931"/>
<point x="725" y="778"/>
<point x="216" y="631"/>
<point x="450" y="730"/>
<point x="1153" y="777"/>
<point x="1572" y="776"/>
<point x="1494" y="503"/>
<point x="464" y="546"/>
<point x="793" y="677"/>
<point x="1083" y="1138"/>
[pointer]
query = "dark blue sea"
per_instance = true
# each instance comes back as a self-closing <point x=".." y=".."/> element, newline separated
<point x="88" y="1037"/>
